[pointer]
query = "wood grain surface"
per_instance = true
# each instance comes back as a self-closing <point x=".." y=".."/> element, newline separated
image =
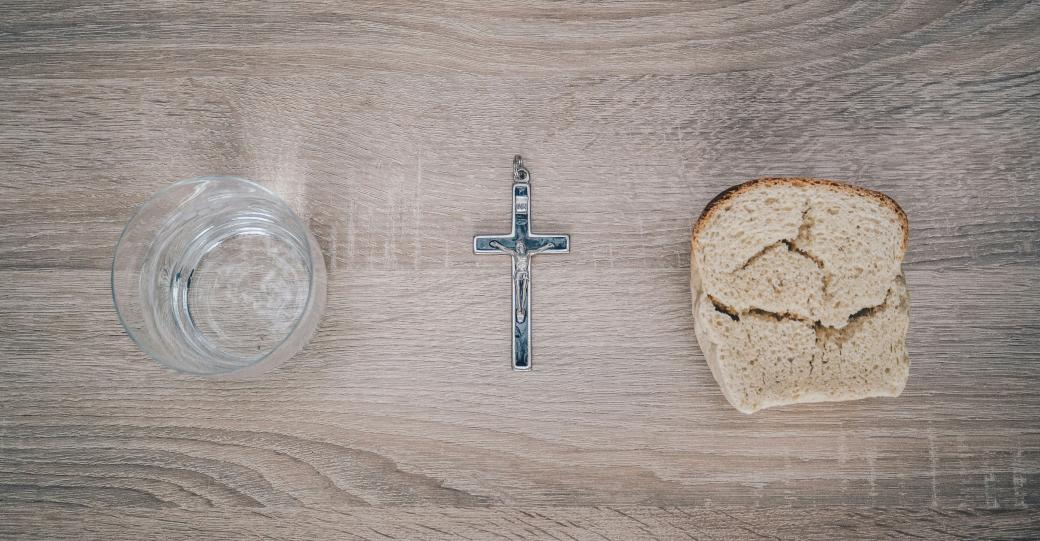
<point x="390" y="128"/>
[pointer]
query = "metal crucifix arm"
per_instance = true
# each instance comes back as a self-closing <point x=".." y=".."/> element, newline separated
<point x="521" y="244"/>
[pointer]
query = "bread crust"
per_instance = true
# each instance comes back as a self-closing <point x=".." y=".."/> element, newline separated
<point x="715" y="204"/>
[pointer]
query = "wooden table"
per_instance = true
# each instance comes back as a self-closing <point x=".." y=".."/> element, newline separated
<point x="391" y="128"/>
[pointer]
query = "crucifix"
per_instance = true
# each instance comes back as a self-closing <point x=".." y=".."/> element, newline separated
<point x="522" y="245"/>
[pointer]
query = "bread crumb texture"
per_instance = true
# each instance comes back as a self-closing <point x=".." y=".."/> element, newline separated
<point x="798" y="293"/>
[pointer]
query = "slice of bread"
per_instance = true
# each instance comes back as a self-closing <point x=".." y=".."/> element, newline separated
<point x="798" y="293"/>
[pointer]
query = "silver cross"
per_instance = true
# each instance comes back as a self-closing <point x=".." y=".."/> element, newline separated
<point x="522" y="245"/>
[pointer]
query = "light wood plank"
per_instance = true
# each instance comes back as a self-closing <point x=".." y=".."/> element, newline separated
<point x="123" y="39"/>
<point x="389" y="406"/>
<point x="557" y="523"/>
<point x="399" y="172"/>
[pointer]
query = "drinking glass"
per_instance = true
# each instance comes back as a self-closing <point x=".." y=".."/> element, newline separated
<point x="218" y="276"/>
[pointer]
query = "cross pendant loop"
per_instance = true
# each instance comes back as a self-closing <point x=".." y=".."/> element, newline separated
<point x="520" y="173"/>
<point x="522" y="245"/>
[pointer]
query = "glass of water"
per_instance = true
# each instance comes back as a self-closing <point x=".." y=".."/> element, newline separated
<point x="218" y="276"/>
